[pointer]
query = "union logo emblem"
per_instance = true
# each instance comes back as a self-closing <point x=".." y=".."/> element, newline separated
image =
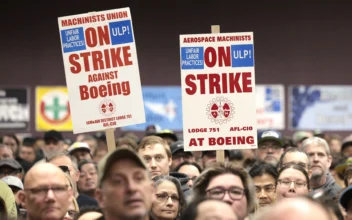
<point x="107" y="107"/>
<point x="220" y="110"/>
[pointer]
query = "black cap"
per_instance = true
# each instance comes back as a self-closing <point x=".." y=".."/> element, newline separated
<point x="346" y="196"/>
<point x="10" y="162"/>
<point x="178" y="146"/>
<point x="167" y="134"/>
<point x="53" y="134"/>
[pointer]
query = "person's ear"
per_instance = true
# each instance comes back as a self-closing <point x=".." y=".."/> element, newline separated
<point x="170" y="161"/>
<point x="310" y="173"/>
<point x="21" y="197"/>
<point x="99" y="197"/>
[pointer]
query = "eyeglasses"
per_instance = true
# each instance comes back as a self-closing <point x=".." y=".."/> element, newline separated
<point x="71" y="213"/>
<point x="192" y="178"/>
<point x="235" y="193"/>
<point x="9" y="172"/>
<point x="267" y="188"/>
<point x="42" y="192"/>
<point x="163" y="197"/>
<point x="65" y="169"/>
<point x="287" y="183"/>
<point x="303" y="165"/>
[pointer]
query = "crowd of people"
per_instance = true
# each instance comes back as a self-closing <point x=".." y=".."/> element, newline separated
<point x="306" y="176"/>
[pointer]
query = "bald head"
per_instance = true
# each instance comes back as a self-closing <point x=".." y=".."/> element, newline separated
<point x="293" y="209"/>
<point x="40" y="172"/>
<point x="46" y="192"/>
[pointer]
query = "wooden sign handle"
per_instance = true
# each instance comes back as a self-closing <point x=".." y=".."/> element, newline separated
<point x="110" y="139"/>
<point x="220" y="154"/>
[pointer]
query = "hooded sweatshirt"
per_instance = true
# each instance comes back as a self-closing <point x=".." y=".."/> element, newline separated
<point x="330" y="188"/>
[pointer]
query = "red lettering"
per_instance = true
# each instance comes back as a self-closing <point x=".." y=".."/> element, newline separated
<point x="76" y="67"/>
<point x="83" y="90"/>
<point x="189" y="82"/>
<point x="234" y="84"/>
<point x="214" y="83"/>
<point x="247" y="82"/>
<point x="210" y="57"/>
<point x="93" y="36"/>
<point x="224" y="56"/>
<point x="127" y="55"/>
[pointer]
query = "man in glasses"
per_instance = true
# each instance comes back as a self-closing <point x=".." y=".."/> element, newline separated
<point x="10" y="167"/>
<point x="46" y="192"/>
<point x="270" y="147"/>
<point x="297" y="156"/>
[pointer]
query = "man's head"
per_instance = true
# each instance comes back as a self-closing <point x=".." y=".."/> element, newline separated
<point x="156" y="153"/>
<point x="346" y="147"/>
<point x="5" y="152"/>
<point x="10" y="167"/>
<point x="91" y="141"/>
<point x="168" y="135"/>
<point x="80" y="151"/>
<point x="123" y="175"/>
<point x="179" y="155"/>
<point x="319" y="156"/>
<point x="62" y="159"/>
<point x="264" y="179"/>
<point x="299" y="136"/>
<point x="294" y="155"/>
<point x="46" y="192"/>
<point x="27" y="150"/>
<point x="269" y="146"/>
<point x="209" y="157"/>
<point x="293" y="209"/>
<point x="88" y="179"/>
<point x="54" y="142"/>
<point x="16" y="186"/>
<point x="204" y="208"/>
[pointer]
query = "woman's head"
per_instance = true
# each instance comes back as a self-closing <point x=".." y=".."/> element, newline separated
<point x="264" y="179"/>
<point x="169" y="200"/>
<point x="292" y="181"/>
<point x="229" y="184"/>
<point x="73" y="209"/>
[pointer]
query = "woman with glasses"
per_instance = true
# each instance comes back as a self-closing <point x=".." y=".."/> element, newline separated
<point x="264" y="176"/>
<point x="229" y="184"/>
<point x="169" y="201"/>
<point x="292" y="181"/>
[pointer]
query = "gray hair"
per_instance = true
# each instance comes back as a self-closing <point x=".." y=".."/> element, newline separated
<point x="315" y="141"/>
<point x="63" y="154"/>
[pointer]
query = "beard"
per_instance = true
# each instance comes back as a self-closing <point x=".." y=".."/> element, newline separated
<point x="317" y="175"/>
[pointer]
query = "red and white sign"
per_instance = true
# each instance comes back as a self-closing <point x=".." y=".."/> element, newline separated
<point x="101" y="69"/>
<point x="218" y="91"/>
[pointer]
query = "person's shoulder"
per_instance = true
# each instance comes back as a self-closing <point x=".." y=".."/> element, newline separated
<point x="84" y="200"/>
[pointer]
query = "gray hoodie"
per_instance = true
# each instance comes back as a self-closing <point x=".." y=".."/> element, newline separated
<point x="330" y="188"/>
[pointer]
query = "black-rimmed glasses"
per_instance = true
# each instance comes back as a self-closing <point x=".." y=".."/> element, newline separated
<point x="235" y="193"/>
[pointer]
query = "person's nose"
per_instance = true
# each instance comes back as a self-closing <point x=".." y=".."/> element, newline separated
<point x="190" y="183"/>
<point x="169" y="202"/>
<point x="292" y="187"/>
<point x="262" y="194"/>
<point x="270" y="150"/>
<point x="153" y="163"/>
<point x="315" y="158"/>
<point x="50" y="195"/>
<point x="227" y="198"/>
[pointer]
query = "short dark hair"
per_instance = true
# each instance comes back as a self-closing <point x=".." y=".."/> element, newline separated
<point x="261" y="168"/>
<point x="188" y="163"/>
<point x="84" y="162"/>
<point x="191" y="210"/>
<point x="291" y="150"/>
<point x="296" y="167"/>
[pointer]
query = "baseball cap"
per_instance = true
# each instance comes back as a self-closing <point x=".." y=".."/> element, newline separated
<point x="118" y="154"/>
<point x="53" y="134"/>
<point x="346" y="142"/>
<point x="342" y="167"/>
<point x="13" y="181"/>
<point x="176" y="147"/>
<point x="346" y="196"/>
<point x="10" y="163"/>
<point x="270" y="135"/>
<point x="167" y="133"/>
<point x="298" y="136"/>
<point x="78" y="146"/>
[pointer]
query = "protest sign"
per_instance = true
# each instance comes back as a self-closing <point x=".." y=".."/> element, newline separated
<point x="52" y="109"/>
<point x="218" y="91"/>
<point x="323" y="107"/>
<point x="270" y="102"/>
<point x="101" y="70"/>
<point x="14" y="109"/>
